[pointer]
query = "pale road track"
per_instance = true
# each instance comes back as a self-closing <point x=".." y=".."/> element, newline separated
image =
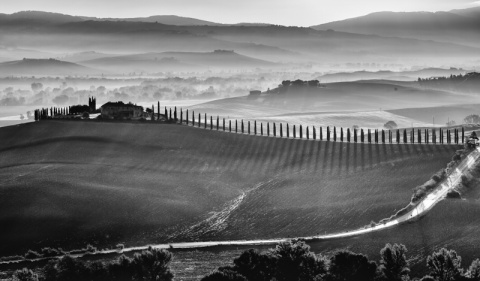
<point x="419" y="210"/>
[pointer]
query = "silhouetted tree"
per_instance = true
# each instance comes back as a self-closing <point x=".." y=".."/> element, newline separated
<point x="405" y="136"/>
<point x="444" y="265"/>
<point x="281" y="130"/>
<point x="348" y="266"/>
<point x="334" y="133"/>
<point x="341" y="134"/>
<point x="308" y="134"/>
<point x="393" y="262"/>
<point x="328" y="133"/>
<point x="301" y="132"/>
<point x="274" y="129"/>
<point x="154" y="265"/>
<point x="268" y="129"/>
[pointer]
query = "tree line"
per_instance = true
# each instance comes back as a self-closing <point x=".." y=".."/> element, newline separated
<point x="288" y="261"/>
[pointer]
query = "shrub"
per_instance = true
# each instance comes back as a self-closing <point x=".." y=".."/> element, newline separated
<point x="390" y="125"/>
<point x="255" y="266"/>
<point x="122" y="269"/>
<point x="444" y="265"/>
<point x="30" y="255"/>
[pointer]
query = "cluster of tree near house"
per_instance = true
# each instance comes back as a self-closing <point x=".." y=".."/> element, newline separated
<point x="288" y="261"/>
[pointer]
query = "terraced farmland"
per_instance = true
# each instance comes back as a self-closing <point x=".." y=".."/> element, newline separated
<point x="72" y="183"/>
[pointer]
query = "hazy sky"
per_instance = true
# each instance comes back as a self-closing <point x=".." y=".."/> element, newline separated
<point x="284" y="12"/>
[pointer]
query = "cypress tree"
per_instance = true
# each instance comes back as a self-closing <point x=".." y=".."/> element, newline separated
<point x="341" y="134"/>
<point x="405" y="136"/>
<point x="383" y="136"/>
<point x="218" y="122"/>
<point x="193" y="118"/>
<point x="348" y="134"/>
<point x="223" y="124"/>
<point x="230" y="126"/>
<point x="419" y="136"/>
<point x="159" y="112"/>
<point x="199" y="120"/>
<point x="362" y="136"/>
<point x="268" y="129"/>
<point x="243" y="128"/>
<point x="463" y="135"/>
<point x="301" y="132"/>
<point x="369" y="136"/>
<point x="314" y="133"/>
<point x="412" y="136"/>
<point x="294" y="133"/>
<point x="281" y="130"/>
<point x="249" y="127"/>
<point x="328" y="133"/>
<point x="334" y="133"/>
<point x="376" y="136"/>
<point x="321" y="133"/>
<point x="175" y="115"/>
<point x="261" y="129"/>
<point x="255" y="127"/>
<point x="288" y="131"/>
<point x="355" y="138"/>
<point x="186" y="117"/>
<point x="181" y="117"/>
<point x="308" y="134"/>
<point x="211" y="122"/>
<point x="236" y="125"/>
<point x="170" y="116"/>
<point x="205" y="125"/>
<point x="274" y="129"/>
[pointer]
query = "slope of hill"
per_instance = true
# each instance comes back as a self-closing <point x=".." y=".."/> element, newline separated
<point x="163" y="19"/>
<point x="178" y="61"/>
<point x="44" y="67"/>
<point x="84" y="56"/>
<point x="68" y="183"/>
<point x="457" y="26"/>
<point x="391" y="75"/>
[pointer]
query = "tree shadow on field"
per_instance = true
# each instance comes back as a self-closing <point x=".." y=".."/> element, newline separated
<point x="347" y="162"/>
<point x="326" y="151"/>
<point x="362" y="156"/>
<point x="340" y="158"/>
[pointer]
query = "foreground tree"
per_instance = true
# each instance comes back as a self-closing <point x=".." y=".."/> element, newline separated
<point x="473" y="272"/>
<point x="348" y="266"/>
<point x="255" y="265"/>
<point x="153" y="264"/>
<point x="444" y="265"/>
<point x="393" y="262"/>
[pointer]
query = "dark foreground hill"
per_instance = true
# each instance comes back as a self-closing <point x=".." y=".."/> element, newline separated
<point x="65" y="184"/>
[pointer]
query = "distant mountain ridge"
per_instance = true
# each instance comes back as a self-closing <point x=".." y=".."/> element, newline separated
<point x="456" y="26"/>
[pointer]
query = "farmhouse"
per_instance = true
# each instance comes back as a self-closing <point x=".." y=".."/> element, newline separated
<point x="120" y="110"/>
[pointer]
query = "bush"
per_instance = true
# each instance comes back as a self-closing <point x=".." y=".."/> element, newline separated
<point x="390" y="125"/>
<point x="31" y="255"/>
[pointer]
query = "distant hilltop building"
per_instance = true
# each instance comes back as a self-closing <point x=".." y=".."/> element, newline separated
<point x="120" y="110"/>
<point x="255" y="93"/>
<point x="92" y="104"/>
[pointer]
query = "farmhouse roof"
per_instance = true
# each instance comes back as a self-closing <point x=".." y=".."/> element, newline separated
<point x="119" y="104"/>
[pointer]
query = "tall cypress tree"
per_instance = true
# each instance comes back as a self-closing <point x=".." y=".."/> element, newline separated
<point x="334" y="133"/>
<point x="211" y="122"/>
<point x="159" y="111"/>
<point x="186" y="117"/>
<point x="268" y="129"/>
<point x="205" y="126"/>
<point x="255" y="127"/>
<point x="419" y="136"/>
<point x="200" y="120"/>
<point x="383" y="136"/>
<point x="355" y="137"/>
<point x="288" y="131"/>
<point x="281" y="130"/>
<point x="314" y="133"/>
<point x="230" y="126"/>
<point x="218" y="122"/>
<point x="463" y="135"/>
<point x="274" y="129"/>
<point x="236" y="126"/>
<point x="301" y="132"/>
<point x="321" y="133"/>
<point x="294" y="133"/>
<point x="243" y="128"/>
<point x="308" y="134"/>
<point x="249" y="127"/>
<point x="193" y="118"/>
<point x="181" y="116"/>
<point x="369" y="136"/>
<point x="170" y="117"/>
<point x="261" y="129"/>
<point x="223" y="124"/>
<point x="341" y="134"/>
<point x="175" y="115"/>
<point x="328" y="133"/>
<point x="405" y="136"/>
<point x="348" y="134"/>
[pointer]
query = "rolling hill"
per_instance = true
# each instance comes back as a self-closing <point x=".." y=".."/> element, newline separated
<point x="179" y="61"/>
<point x="44" y="67"/>
<point x="457" y="26"/>
<point x="65" y="184"/>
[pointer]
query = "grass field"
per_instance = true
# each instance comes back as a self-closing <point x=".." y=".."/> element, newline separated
<point x="66" y="184"/>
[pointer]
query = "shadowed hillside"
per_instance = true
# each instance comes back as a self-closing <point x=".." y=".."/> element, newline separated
<point x="69" y="183"/>
<point x="44" y="67"/>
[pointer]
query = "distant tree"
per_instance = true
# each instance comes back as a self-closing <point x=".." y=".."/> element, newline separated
<point x="153" y="264"/>
<point x="24" y="275"/>
<point x="473" y="272"/>
<point x="390" y="125"/>
<point x="393" y="262"/>
<point x="444" y="265"/>
<point x="348" y="266"/>
<point x="472" y="119"/>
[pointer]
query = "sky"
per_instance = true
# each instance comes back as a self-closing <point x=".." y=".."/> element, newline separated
<point x="283" y="12"/>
